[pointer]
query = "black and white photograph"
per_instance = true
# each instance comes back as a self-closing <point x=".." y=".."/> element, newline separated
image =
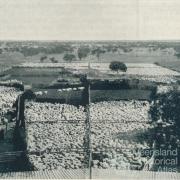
<point x="90" y="89"/>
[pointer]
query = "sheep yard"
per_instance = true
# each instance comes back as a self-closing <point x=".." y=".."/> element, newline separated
<point x="63" y="131"/>
<point x="52" y="129"/>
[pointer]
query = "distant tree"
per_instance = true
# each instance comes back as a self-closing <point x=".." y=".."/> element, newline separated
<point x="29" y="51"/>
<point x="60" y="48"/>
<point x="43" y="58"/>
<point x="115" y="49"/>
<point x="156" y="63"/>
<point x="98" y="51"/>
<point x="177" y="55"/>
<point x="53" y="60"/>
<point x="126" y="50"/>
<point x="69" y="57"/>
<point x="118" y="66"/>
<point x="109" y="48"/>
<point x="83" y="52"/>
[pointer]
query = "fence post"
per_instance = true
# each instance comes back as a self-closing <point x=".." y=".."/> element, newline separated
<point x="88" y="128"/>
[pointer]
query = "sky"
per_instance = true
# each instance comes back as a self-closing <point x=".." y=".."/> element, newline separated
<point x="89" y="19"/>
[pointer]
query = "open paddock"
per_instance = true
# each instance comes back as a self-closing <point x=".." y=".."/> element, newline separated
<point x="132" y="68"/>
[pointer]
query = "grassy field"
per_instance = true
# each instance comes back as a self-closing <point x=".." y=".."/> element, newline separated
<point x="11" y="58"/>
<point x="36" y="77"/>
<point x="108" y="57"/>
<point x="35" y="71"/>
<point x="39" y="77"/>
<point x="174" y="65"/>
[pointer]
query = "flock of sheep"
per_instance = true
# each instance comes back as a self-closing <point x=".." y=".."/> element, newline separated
<point x="8" y="96"/>
<point x="54" y="129"/>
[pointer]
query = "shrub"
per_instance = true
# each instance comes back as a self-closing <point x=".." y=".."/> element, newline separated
<point x="83" y="52"/>
<point x="43" y="58"/>
<point x="156" y="63"/>
<point x="167" y="107"/>
<point x="177" y="55"/>
<point x="69" y="57"/>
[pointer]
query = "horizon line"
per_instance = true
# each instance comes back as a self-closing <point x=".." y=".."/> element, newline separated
<point x="88" y="40"/>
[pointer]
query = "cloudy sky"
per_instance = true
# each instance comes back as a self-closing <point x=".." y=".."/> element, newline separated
<point x="89" y="19"/>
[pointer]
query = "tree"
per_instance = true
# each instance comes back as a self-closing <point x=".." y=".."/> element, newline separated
<point x="116" y="66"/>
<point x="83" y="52"/>
<point x="177" y="55"/>
<point x="165" y="113"/>
<point x="43" y="58"/>
<point x="156" y="63"/>
<point x="69" y="57"/>
<point x="29" y="94"/>
<point x="53" y="60"/>
<point x="98" y="51"/>
<point x="167" y="107"/>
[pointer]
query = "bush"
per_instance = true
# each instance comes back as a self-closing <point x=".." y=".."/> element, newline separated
<point x="29" y="94"/>
<point x="156" y="63"/>
<point x="43" y="58"/>
<point x="167" y="107"/>
<point x="165" y="113"/>
<point x="116" y="66"/>
<point x="83" y="78"/>
<point x="53" y="60"/>
<point x="83" y="52"/>
<point x="177" y="55"/>
<point x="98" y="51"/>
<point x="69" y="57"/>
